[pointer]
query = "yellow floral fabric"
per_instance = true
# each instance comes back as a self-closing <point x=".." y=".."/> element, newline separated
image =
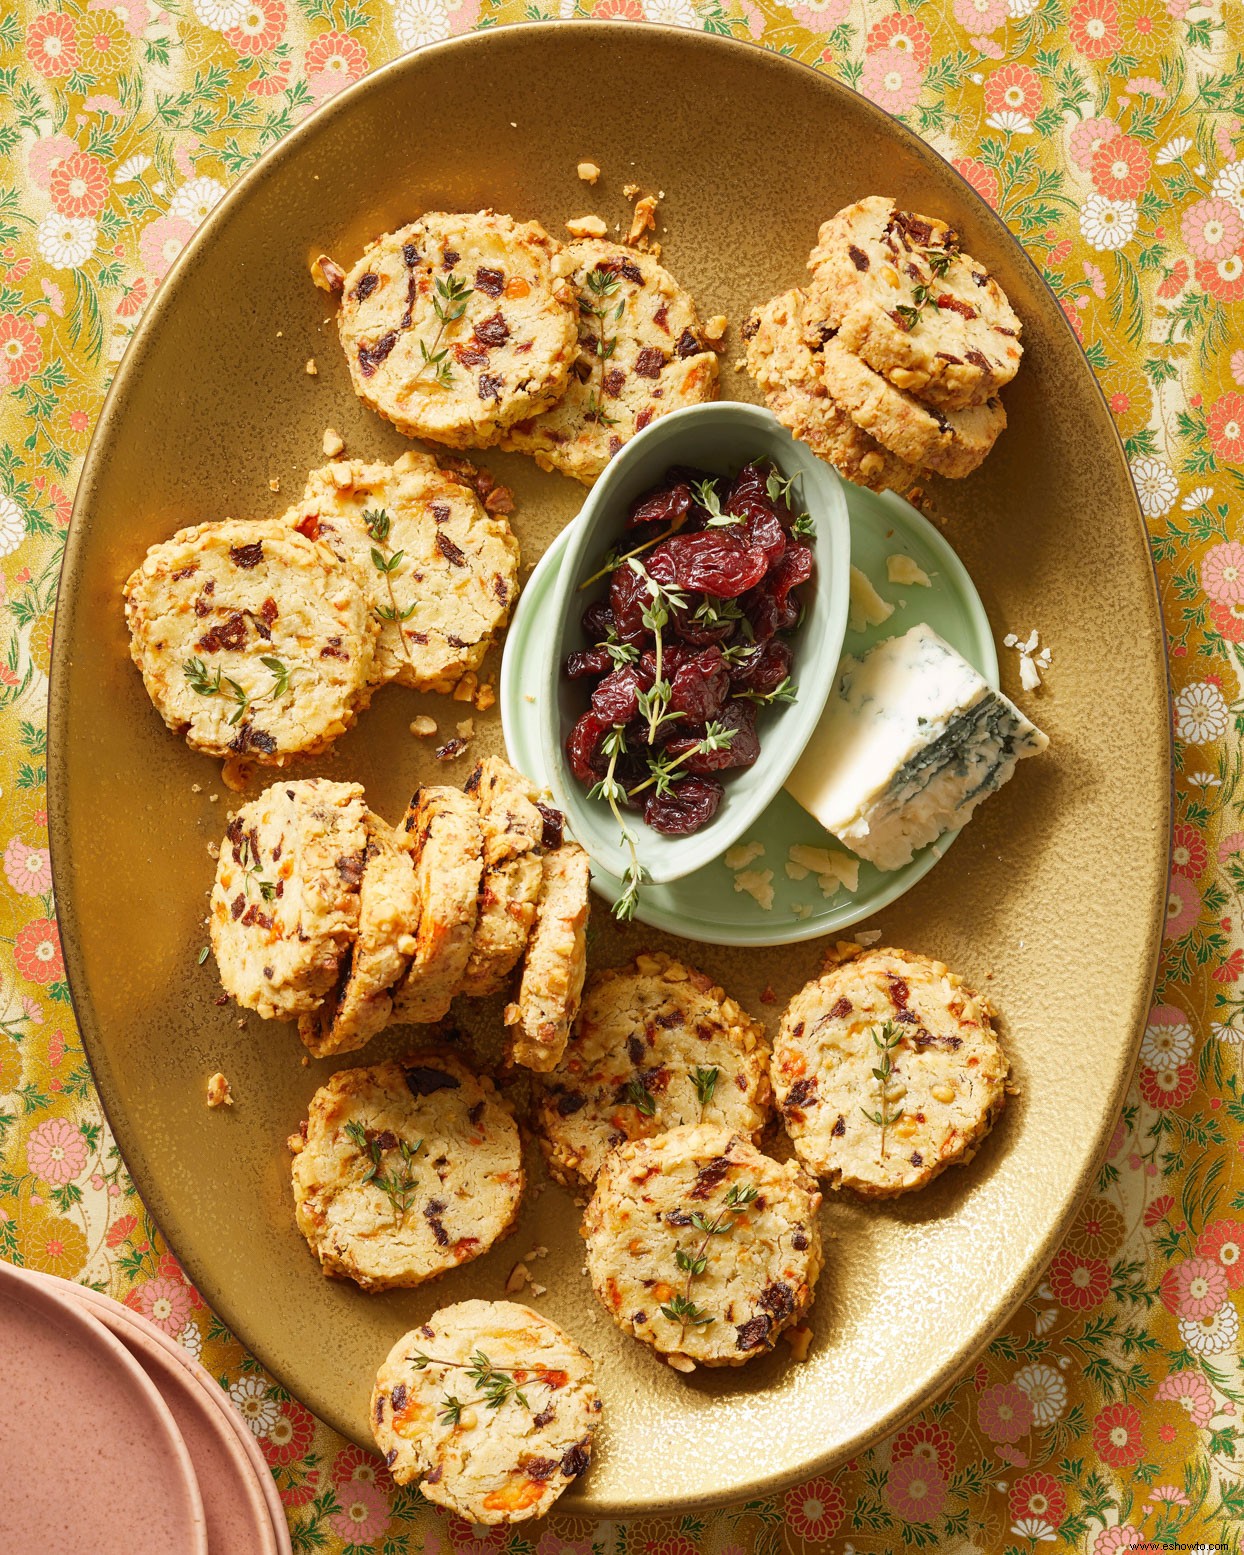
<point x="1108" y="134"/>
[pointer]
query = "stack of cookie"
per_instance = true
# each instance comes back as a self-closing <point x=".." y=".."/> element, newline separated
<point x="889" y="362"/>
<point x="475" y="330"/>
<point x="266" y="639"/>
<point x="323" y="914"/>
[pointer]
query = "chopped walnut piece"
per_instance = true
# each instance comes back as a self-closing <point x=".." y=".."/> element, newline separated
<point x="311" y="369"/>
<point x="588" y="172"/>
<point x="218" y="1092"/>
<point x="643" y="218"/>
<point x="275" y="483"/>
<point x="715" y="331"/>
<point x="423" y="726"/>
<point x="681" y="1362"/>
<point x="519" y="1275"/>
<point x="485" y="697"/>
<point x="334" y="443"/>
<point x="586" y="227"/>
<point x="465" y="689"/>
<point x="327" y="274"/>
<point x="499" y="500"/>
<point x="538" y="1289"/>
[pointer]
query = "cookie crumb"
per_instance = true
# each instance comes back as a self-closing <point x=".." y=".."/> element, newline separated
<point x="450" y="751"/>
<point x="327" y="274"/>
<point x="715" y="331"/>
<point x="868" y="937"/>
<point x="212" y="798"/>
<point x="630" y="190"/>
<point x="333" y="442"/>
<point x="682" y="1363"/>
<point x="236" y="773"/>
<point x="465" y="689"/>
<point x="306" y="1061"/>
<point x="586" y="227"/>
<point x="643" y="218"/>
<point x="518" y="1277"/>
<point x="466" y="728"/>
<point x="213" y="850"/>
<point x="798" y="1339"/>
<point x="275" y="483"/>
<point x="588" y="172"/>
<point x="311" y="370"/>
<point x="485" y="697"/>
<point x="423" y="726"/>
<point x="219" y="1093"/>
<point x="196" y="788"/>
<point x="537" y="1289"/>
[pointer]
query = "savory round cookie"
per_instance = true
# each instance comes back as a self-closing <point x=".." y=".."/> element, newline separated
<point x="784" y="357"/>
<point x="362" y="1002"/>
<point x="886" y="1070"/>
<point x="514" y="830"/>
<point x="405" y="1170"/>
<point x="907" y="299"/>
<point x="490" y="1407"/>
<point x="701" y="1246"/>
<point x="952" y="442"/>
<point x="441" y="832"/>
<point x="554" y="966"/>
<point x="251" y="640"/>
<point x="442" y="573"/>
<point x="459" y="325"/>
<point x="284" y="907"/>
<point x="655" y="1045"/>
<point x="641" y="355"/>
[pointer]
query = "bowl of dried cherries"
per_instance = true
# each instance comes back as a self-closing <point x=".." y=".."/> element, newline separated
<point x="696" y="625"/>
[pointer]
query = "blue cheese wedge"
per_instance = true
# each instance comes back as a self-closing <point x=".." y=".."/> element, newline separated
<point x="912" y="739"/>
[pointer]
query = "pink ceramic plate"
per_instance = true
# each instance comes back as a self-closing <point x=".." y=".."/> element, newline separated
<point x="83" y="1427"/>
<point x="232" y="1484"/>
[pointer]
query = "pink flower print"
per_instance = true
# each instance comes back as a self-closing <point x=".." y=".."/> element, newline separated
<point x="136" y="13"/>
<point x="821" y="16"/>
<point x="1191" y="1392"/>
<point x="1178" y="8"/>
<point x="352" y="1463"/>
<point x="980" y="17"/>
<point x="28" y="869"/>
<point x="1194" y="1288"/>
<point x="1169" y="1495"/>
<point x="892" y="79"/>
<point x="55" y="297"/>
<point x="916" y="1490"/>
<point x="166" y="1303"/>
<point x="1222" y="572"/>
<point x="1005" y="1412"/>
<point x="1237" y="367"/>
<point x="815" y="1510"/>
<point x="364" y="1513"/>
<point x="1212" y="229"/>
<point x="182" y="160"/>
<point x="1183" y="907"/>
<point x="1111" y="1540"/>
<point x="1087" y="136"/>
<point x="333" y="60"/>
<point x="56" y="1151"/>
<point x="161" y="242"/>
<point x="983" y="179"/>
<point x="1096" y="279"/>
<point x="44" y="155"/>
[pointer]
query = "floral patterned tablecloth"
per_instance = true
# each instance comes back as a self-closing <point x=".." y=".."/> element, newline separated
<point x="1110" y="136"/>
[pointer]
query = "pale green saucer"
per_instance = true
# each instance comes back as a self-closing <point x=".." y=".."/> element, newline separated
<point x="704" y="905"/>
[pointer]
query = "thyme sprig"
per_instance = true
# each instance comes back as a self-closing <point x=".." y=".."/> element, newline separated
<point x="663" y="770"/>
<point x="206" y="684"/>
<point x="386" y="562"/>
<point x="705" y="1082"/>
<point x="611" y="791"/>
<point x="885" y="1041"/>
<point x="785" y="691"/>
<point x="249" y="860"/>
<point x="602" y="286"/>
<point x="398" y="1184"/>
<point x="681" y="1309"/>
<point x="706" y="494"/>
<point x="494" y="1384"/>
<point x="449" y="303"/>
<point x="615" y="558"/>
<point x="640" y="1097"/>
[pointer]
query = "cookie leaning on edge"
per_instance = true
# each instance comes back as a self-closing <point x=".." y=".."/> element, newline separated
<point x="284" y="907"/>
<point x="702" y="1247"/>
<point x="251" y="640"/>
<point x="449" y="1410"/>
<point x="904" y="298"/>
<point x="555" y="963"/>
<point x="655" y="1045"/>
<point x="654" y="360"/>
<point x="458" y="325"/>
<point x="405" y="1170"/>
<point x="450" y="569"/>
<point x="784" y="348"/>
<point x="948" y="1082"/>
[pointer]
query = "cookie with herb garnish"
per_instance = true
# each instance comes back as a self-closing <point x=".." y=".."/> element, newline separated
<point x="490" y="1408"/>
<point x="361" y="1003"/>
<point x="441" y="832"/>
<point x="555" y="963"/>
<point x="516" y="829"/>
<point x="656" y="1044"/>
<point x="441" y="571"/>
<point x="252" y="640"/>
<point x="641" y="354"/>
<point x="784" y="343"/>
<point x="459" y="325"/>
<point x="952" y="442"/>
<point x="905" y="298"/>
<point x="702" y="1247"/>
<point x="887" y="1070"/>
<point x="405" y="1170"/>
<point x="284" y="907"/>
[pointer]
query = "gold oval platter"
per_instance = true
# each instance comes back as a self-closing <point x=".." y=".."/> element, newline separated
<point x="1051" y="900"/>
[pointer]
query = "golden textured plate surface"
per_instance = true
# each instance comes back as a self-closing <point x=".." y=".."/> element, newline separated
<point x="1051" y="900"/>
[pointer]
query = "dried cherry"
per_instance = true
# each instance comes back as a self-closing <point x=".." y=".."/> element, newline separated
<point x="711" y="562"/>
<point x="593" y="661"/>
<point x="692" y="804"/>
<point x="765" y="669"/>
<point x="737" y="716"/>
<point x="616" y="698"/>
<point x="700" y="685"/>
<point x="583" y="747"/>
